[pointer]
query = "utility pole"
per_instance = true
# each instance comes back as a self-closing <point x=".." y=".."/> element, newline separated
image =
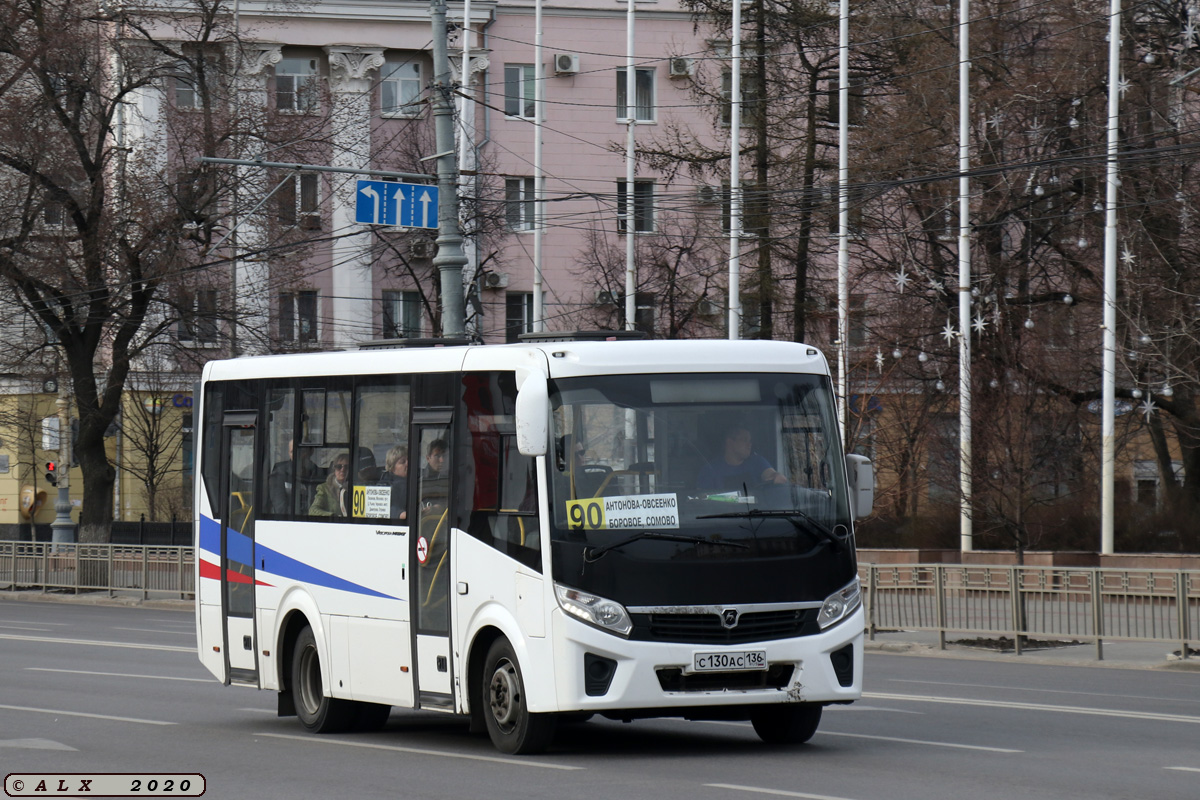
<point x="450" y="258"/>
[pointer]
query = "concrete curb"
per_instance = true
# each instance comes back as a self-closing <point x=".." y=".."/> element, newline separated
<point x="96" y="599"/>
<point x="1065" y="657"/>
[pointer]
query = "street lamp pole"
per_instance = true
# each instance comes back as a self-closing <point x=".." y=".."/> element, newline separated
<point x="63" y="529"/>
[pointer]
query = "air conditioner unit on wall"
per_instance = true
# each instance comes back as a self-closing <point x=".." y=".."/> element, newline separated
<point x="566" y="63"/>
<point x="708" y="195"/>
<point x="495" y="280"/>
<point x="420" y="249"/>
<point x="605" y="298"/>
<point x="681" y="67"/>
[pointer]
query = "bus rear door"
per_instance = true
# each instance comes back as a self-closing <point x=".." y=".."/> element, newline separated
<point x="237" y="513"/>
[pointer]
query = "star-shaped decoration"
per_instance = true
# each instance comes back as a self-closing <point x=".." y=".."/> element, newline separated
<point x="1148" y="408"/>
<point x="980" y="324"/>
<point x="996" y="120"/>
<point x="948" y="333"/>
<point x="1123" y="86"/>
<point x="1189" y="33"/>
<point x="936" y="285"/>
<point x="1127" y="257"/>
<point x="879" y="360"/>
<point x="901" y="280"/>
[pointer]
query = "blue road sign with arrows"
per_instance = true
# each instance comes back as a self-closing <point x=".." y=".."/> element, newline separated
<point x="404" y="205"/>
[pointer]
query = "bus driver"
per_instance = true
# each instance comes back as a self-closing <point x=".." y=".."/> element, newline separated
<point x="739" y="466"/>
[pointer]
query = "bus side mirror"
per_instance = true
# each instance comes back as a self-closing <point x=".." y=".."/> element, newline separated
<point x="533" y="415"/>
<point x="860" y="477"/>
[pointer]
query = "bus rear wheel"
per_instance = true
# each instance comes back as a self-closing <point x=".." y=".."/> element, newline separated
<point x="505" y="711"/>
<point x="318" y="712"/>
<point x="786" y="724"/>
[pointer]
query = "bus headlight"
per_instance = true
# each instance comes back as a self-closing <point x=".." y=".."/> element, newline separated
<point x="840" y="604"/>
<point x="598" y="611"/>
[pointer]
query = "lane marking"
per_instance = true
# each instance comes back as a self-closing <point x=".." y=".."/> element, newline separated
<point x="512" y="762"/>
<point x="920" y="741"/>
<point x="121" y="675"/>
<point x="24" y="628"/>
<point x="881" y="738"/>
<point x="260" y="711"/>
<point x="36" y="744"/>
<point x="49" y="640"/>
<point x="1184" y="769"/>
<point x="62" y="713"/>
<point x="1095" y="712"/>
<point x="154" y="630"/>
<point x="776" y="792"/>
<point x="26" y="622"/>
<point x="1047" y="691"/>
<point x="860" y="707"/>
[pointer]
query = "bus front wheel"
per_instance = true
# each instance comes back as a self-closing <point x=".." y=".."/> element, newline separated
<point x="318" y="712"/>
<point x="502" y="693"/>
<point x="786" y="724"/>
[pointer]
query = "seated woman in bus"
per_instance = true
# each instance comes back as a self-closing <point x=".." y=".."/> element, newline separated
<point x="396" y="476"/>
<point x="738" y="465"/>
<point x="331" y="495"/>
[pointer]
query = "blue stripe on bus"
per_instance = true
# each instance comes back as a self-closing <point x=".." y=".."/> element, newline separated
<point x="242" y="550"/>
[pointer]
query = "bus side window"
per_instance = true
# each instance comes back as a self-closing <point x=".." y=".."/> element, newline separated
<point x="504" y="498"/>
<point x="381" y="445"/>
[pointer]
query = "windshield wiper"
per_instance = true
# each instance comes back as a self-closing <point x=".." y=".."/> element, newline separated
<point x="591" y="554"/>
<point x="800" y="520"/>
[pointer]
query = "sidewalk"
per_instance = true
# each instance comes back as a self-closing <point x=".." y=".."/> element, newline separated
<point x="133" y="598"/>
<point x="1117" y="654"/>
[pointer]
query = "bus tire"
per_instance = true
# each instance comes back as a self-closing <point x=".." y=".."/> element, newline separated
<point x="511" y="727"/>
<point x="786" y="724"/>
<point x="317" y="711"/>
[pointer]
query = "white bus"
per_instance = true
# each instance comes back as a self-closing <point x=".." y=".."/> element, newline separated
<point x="530" y="533"/>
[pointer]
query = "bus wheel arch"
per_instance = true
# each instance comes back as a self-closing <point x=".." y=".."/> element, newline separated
<point x="318" y="712"/>
<point x="475" y="662"/>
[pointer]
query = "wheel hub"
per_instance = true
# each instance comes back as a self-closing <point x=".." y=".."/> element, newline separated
<point x="504" y="694"/>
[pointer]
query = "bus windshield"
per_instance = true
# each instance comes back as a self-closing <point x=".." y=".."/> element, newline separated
<point x="721" y="467"/>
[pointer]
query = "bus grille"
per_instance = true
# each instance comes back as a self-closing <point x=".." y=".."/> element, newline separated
<point x="707" y="628"/>
<point x="777" y="676"/>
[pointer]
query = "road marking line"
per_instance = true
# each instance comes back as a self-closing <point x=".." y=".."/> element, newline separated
<point x="881" y="738"/>
<point x="23" y="628"/>
<point x="89" y="716"/>
<point x="36" y="744"/>
<point x="920" y="741"/>
<point x="1184" y="769"/>
<point x="155" y="630"/>
<point x="261" y="711"/>
<point x="121" y="675"/>
<point x="512" y="762"/>
<point x="777" y="792"/>
<point x="1047" y="691"/>
<point x="26" y="622"/>
<point x="1095" y="712"/>
<point x="49" y="640"/>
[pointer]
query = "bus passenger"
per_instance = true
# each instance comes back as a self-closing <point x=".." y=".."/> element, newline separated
<point x="738" y="467"/>
<point x="396" y="476"/>
<point x="331" y="495"/>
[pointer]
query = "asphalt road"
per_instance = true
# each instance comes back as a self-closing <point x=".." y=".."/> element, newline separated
<point x="104" y="689"/>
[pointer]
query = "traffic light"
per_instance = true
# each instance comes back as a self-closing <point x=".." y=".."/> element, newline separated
<point x="51" y="473"/>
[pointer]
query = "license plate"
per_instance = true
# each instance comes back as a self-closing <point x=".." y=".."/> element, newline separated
<point x="729" y="662"/>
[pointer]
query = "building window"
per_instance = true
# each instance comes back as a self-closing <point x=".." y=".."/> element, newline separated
<point x="643" y="206"/>
<point x="519" y="90"/>
<point x="400" y="87"/>
<point x="518" y="203"/>
<point x="856" y="320"/>
<point x="296" y="82"/>
<point x="186" y="96"/>
<point x="53" y="214"/>
<point x="855" y="200"/>
<point x="856" y="102"/>
<point x="298" y="317"/>
<point x="198" y="317"/>
<point x="748" y="97"/>
<point x="753" y="208"/>
<point x="300" y="202"/>
<point x="518" y="315"/>
<point x="643" y="95"/>
<point x="401" y="314"/>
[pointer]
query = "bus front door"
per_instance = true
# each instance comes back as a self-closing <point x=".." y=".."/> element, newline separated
<point x="237" y="546"/>
<point x="431" y="560"/>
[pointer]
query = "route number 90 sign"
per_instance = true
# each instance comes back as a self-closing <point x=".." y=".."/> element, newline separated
<point x="640" y="511"/>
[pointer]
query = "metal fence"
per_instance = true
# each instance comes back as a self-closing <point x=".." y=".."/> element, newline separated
<point x="116" y="568"/>
<point x="1056" y="603"/>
